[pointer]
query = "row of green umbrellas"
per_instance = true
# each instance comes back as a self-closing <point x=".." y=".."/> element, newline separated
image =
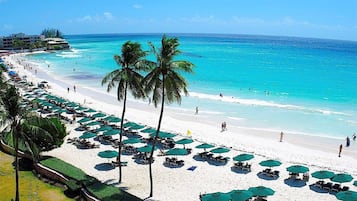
<point x="239" y="195"/>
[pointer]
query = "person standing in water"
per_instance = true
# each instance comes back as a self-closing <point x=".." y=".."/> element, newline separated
<point x="281" y="136"/>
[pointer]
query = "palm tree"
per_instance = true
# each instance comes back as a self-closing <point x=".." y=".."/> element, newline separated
<point x="13" y="117"/>
<point x="165" y="82"/>
<point x="127" y="78"/>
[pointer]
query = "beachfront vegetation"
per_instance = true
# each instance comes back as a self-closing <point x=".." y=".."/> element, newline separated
<point x="31" y="187"/>
<point x="127" y="77"/>
<point x="52" y="33"/>
<point x="164" y="82"/>
<point x="32" y="131"/>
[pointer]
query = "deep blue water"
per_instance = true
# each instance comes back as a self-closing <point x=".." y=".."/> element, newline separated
<point x="298" y="85"/>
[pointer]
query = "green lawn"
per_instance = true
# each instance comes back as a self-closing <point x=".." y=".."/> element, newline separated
<point x="31" y="188"/>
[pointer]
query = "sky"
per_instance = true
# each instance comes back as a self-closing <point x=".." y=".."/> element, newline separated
<point x="331" y="19"/>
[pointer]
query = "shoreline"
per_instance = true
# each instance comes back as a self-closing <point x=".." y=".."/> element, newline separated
<point x="313" y="151"/>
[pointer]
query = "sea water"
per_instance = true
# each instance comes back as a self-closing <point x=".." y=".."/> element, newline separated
<point x="297" y="85"/>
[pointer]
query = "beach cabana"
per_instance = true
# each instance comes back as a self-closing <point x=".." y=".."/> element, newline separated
<point x="240" y="195"/>
<point x="342" y="178"/>
<point x="261" y="191"/>
<point x="218" y="196"/>
<point x="347" y="195"/>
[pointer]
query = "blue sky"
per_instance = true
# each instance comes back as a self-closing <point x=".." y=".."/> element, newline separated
<point x="335" y="19"/>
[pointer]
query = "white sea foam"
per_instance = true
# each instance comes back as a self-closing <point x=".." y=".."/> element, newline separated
<point x="263" y="103"/>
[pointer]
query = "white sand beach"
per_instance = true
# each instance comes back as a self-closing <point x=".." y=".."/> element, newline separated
<point x="176" y="184"/>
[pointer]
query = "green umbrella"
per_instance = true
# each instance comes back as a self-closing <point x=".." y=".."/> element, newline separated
<point x="184" y="141"/>
<point x="148" y="130"/>
<point x="220" y="150"/>
<point x="204" y="146"/>
<point x="323" y="174"/>
<point x="146" y="148"/>
<point x="163" y="135"/>
<point x="270" y="163"/>
<point x="177" y="151"/>
<point x="131" y="141"/>
<point x="104" y="128"/>
<point x="71" y="104"/>
<point x="111" y="132"/>
<point x="240" y="195"/>
<point x="85" y="119"/>
<point x="87" y="135"/>
<point x="355" y="183"/>
<point x="297" y="169"/>
<point x="133" y="126"/>
<point x="80" y="108"/>
<point x="261" y="191"/>
<point x="243" y="157"/>
<point x="341" y="178"/>
<point x="93" y="123"/>
<point x="347" y="195"/>
<point x="90" y="111"/>
<point x="98" y="115"/>
<point x="112" y="119"/>
<point x="216" y="197"/>
<point x="59" y="111"/>
<point x="108" y="154"/>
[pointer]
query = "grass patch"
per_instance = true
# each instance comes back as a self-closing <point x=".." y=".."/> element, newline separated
<point x="65" y="169"/>
<point x="31" y="188"/>
<point x="107" y="193"/>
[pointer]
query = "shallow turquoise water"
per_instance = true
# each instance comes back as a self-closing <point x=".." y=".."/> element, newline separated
<point x="297" y="85"/>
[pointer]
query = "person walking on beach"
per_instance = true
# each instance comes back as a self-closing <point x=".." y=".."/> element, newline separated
<point x="347" y="141"/>
<point x="74" y="88"/>
<point x="196" y="110"/>
<point x="340" y="150"/>
<point x="354" y="137"/>
<point x="67" y="89"/>
<point x="281" y="136"/>
<point x="224" y="126"/>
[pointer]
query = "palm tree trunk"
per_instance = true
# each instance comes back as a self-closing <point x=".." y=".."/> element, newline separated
<point x="157" y="135"/>
<point x="121" y="132"/>
<point x="16" y="130"/>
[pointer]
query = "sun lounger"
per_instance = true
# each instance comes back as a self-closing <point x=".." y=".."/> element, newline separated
<point x="336" y="188"/>
<point x="327" y="186"/>
<point x="345" y="188"/>
<point x="319" y="184"/>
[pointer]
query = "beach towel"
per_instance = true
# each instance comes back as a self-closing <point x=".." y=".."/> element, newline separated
<point x="192" y="168"/>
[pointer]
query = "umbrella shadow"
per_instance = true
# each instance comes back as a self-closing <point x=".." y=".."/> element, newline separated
<point x="317" y="189"/>
<point x="295" y="182"/>
<point x="104" y="166"/>
<point x="216" y="163"/>
<point x="261" y="175"/>
<point x="172" y="166"/>
<point x="239" y="171"/>
<point x="198" y="158"/>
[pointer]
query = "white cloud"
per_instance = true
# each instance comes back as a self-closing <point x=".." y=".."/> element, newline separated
<point x="106" y="16"/>
<point x="249" y="21"/>
<point x="137" y="6"/>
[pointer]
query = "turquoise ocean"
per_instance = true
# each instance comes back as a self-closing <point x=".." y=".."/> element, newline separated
<point x="297" y="85"/>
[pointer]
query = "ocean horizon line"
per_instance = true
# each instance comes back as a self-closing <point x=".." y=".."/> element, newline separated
<point x="281" y="37"/>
